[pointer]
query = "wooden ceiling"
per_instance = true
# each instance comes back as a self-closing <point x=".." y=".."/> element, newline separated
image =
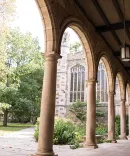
<point x="107" y="16"/>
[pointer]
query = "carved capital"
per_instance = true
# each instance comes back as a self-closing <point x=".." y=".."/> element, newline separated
<point x="123" y="100"/>
<point x="111" y="93"/>
<point x="91" y="81"/>
<point x="52" y="56"/>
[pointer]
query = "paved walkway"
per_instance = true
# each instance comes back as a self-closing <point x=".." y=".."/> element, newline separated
<point x="22" y="144"/>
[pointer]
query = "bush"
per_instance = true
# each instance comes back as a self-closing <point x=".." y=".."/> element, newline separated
<point x="65" y="132"/>
<point x="117" y="126"/>
<point x="36" y="133"/>
<point x="101" y="129"/>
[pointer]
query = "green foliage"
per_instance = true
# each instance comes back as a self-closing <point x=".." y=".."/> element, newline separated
<point x="79" y="109"/>
<point x="7" y="13"/>
<point x="65" y="132"/>
<point x="4" y="106"/>
<point x="14" y="127"/>
<point x="101" y="129"/>
<point x="117" y="126"/>
<point x="22" y="83"/>
<point x="21" y="48"/>
<point x="36" y="132"/>
<point x="75" y="47"/>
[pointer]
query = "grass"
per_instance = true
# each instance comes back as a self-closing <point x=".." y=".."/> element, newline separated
<point x="12" y="127"/>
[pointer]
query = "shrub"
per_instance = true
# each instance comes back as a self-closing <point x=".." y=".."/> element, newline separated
<point x="101" y="129"/>
<point x="36" y="133"/>
<point x="65" y="132"/>
<point x="117" y="126"/>
<point x="79" y="109"/>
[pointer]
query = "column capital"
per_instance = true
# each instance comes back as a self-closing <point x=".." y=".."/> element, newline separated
<point x="111" y="92"/>
<point x="52" y="55"/>
<point x="91" y="81"/>
<point x="123" y="100"/>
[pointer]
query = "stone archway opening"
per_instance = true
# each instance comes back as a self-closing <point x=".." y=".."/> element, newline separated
<point x="120" y="105"/>
<point x="119" y="92"/>
<point x="71" y="73"/>
<point x="104" y="92"/>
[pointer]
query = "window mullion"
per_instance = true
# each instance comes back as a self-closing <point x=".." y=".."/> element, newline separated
<point x="77" y="84"/>
<point x="73" y="85"/>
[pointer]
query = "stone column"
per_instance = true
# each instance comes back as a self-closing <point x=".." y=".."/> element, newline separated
<point x="111" y="117"/>
<point x="123" y="120"/>
<point x="129" y="119"/>
<point x="91" y="115"/>
<point x="46" y="129"/>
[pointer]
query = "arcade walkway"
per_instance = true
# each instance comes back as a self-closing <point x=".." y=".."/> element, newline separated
<point x="22" y="144"/>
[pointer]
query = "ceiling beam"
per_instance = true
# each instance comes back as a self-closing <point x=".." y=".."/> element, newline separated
<point x="103" y="16"/>
<point x="115" y="26"/>
<point x="83" y="11"/>
<point x="120" y="14"/>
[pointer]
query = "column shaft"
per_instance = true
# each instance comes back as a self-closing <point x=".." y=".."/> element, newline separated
<point x="91" y="115"/>
<point x="45" y="140"/>
<point x="123" y="120"/>
<point x="111" y="117"/>
<point x="129" y="119"/>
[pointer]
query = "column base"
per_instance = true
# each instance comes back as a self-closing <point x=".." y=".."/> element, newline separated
<point x="93" y="146"/>
<point x="44" y="154"/>
<point x="123" y="137"/>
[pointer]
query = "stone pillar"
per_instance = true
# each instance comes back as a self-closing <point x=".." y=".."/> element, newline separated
<point x="111" y="117"/>
<point x="91" y="115"/>
<point x="129" y="119"/>
<point x="123" y="120"/>
<point x="46" y="129"/>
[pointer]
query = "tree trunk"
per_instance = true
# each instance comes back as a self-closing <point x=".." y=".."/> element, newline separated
<point x="5" y="118"/>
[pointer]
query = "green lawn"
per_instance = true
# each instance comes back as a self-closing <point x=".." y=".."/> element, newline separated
<point x="15" y="127"/>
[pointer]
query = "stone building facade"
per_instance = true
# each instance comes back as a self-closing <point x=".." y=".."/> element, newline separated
<point x="76" y="60"/>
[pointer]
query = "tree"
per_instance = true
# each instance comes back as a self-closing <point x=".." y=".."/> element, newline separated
<point x="4" y="107"/>
<point x="7" y="14"/>
<point x="21" y="48"/>
<point x="7" y="95"/>
<point x="75" y="47"/>
<point x="24" y="73"/>
<point x="79" y="109"/>
<point x="29" y="93"/>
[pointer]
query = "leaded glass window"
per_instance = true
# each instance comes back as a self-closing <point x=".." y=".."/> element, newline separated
<point x="101" y="87"/>
<point x="77" y="82"/>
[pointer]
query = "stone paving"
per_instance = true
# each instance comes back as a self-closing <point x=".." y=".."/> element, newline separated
<point x="22" y="143"/>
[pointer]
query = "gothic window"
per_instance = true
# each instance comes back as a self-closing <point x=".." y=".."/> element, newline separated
<point x="117" y="96"/>
<point x="101" y="87"/>
<point x="77" y="81"/>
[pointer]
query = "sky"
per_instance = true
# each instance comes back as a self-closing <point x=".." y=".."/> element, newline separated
<point x="29" y="20"/>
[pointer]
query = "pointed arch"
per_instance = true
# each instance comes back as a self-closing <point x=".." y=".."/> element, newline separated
<point x="119" y="76"/>
<point x="47" y="20"/>
<point x="77" y="26"/>
<point x="109" y="71"/>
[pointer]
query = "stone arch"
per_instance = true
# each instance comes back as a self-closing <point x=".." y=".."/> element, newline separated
<point x="48" y="24"/>
<point x="77" y="26"/>
<point x="128" y="91"/>
<point x="109" y="71"/>
<point x="121" y="85"/>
